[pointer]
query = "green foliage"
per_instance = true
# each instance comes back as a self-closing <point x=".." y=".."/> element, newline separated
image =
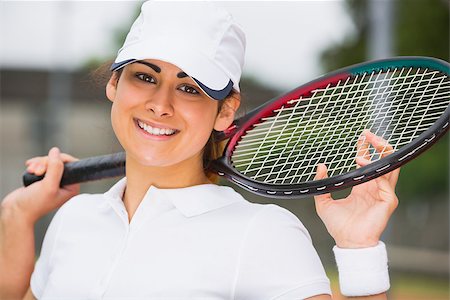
<point x="426" y="177"/>
<point x="421" y="27"/>
<point x="352" y="49"/>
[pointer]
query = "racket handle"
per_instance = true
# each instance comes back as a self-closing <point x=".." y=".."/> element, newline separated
<point x="93" y="168"/>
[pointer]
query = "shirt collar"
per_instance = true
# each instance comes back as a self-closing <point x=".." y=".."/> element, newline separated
<point x="190" y="201"/>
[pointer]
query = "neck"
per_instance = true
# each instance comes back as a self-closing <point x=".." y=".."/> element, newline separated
<point x="139" y="179"/>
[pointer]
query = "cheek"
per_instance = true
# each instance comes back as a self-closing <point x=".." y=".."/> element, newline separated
<point x="122" y="105"/>
<point x="120" y="119"/>
<point x="203" y="119"/>
<point x="201" y="124"/>
<point x="114" y="118"/>
<point x="115" y="122"/>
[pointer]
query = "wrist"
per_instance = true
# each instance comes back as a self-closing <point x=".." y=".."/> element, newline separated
<point x="11" y="212"/>
<point x="348" y="244"/>
<point x="362" y="271"/>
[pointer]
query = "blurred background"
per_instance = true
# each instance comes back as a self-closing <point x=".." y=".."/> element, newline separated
<point x="49" y="97"/>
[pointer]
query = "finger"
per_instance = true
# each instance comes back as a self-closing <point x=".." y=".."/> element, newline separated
<point x="40" y="169"/>
<point x="55" y="167"/>
<point x="34" y="160"/>
<point x="33" y="167"/>
<point x="361" y="162"/>
<point x="38" y="166"/>
<point x="68" y="158"/>
<point x="393" y="177"/>
<point x="384" y="149"/>
<point x="321" y="173"/>
<point x="362" y="146"/>
<point x="30" y="160"/>
<point x="380" y="144"/>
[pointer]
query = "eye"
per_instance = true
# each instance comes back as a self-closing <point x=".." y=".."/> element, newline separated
<point x="189" y="89"/>
<point x="145" y="77"/>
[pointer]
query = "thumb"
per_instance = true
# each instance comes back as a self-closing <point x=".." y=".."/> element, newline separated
<point x="55" y="167"/>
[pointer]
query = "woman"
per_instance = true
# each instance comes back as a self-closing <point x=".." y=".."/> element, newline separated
<point x="165" y="231"/>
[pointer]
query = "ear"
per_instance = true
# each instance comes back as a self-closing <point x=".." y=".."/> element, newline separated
<point x="227" y="112"/>
<point x="111" y="86"/>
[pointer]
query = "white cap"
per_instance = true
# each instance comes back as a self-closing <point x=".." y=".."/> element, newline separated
<point x="201" y="39"/>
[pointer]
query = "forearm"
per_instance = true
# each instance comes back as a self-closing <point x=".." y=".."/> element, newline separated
<point x="17" y="254"/>
<point x="382" y="296"/>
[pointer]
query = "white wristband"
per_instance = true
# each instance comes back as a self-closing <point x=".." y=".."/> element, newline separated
<point x="363" y="271"/>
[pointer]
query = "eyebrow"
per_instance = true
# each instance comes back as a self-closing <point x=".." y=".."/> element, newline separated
<point x="154" y="67"/>
<point x="158" y="69"/>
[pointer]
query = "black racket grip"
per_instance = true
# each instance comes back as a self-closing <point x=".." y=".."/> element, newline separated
<point x="93" y="168"/>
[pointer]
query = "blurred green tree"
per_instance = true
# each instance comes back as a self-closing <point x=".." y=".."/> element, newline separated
<point x="419" y="28"/>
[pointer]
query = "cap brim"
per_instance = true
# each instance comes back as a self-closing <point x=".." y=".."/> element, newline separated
<point x="116" y="66"/>
<point x="215" y="94"/>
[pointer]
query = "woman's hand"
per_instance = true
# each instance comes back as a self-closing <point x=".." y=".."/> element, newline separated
<point x="358" y="220"/>
<point x="43" y="196"/>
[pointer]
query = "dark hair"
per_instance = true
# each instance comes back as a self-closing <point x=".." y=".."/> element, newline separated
<point x="212" y="150"/>
<point x="101" y="74"/>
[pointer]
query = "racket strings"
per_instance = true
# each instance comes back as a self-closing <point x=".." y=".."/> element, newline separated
<point x="377" y="117"/>
<point x="324" y="127"/>
<point x="276" y="142"/>
<point x="357" y="119"/>
<point x="377" y="129"/>
<point x="260" y="128"/>
<point x="398" y="104"/>
<point x="433" y="112"/>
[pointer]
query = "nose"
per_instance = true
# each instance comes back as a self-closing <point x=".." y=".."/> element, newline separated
<point x="160" y="103"/>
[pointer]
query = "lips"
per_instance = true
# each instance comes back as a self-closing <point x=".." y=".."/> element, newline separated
<point x="155" y="130"/>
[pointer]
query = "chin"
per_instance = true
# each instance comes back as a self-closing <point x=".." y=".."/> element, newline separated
<point x="163" y="158"/>
<point x="150" y="161"/>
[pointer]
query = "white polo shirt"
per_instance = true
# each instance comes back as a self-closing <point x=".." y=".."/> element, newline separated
<point x="199" y="242"/>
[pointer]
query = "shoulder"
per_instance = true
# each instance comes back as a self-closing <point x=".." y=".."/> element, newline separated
<point x="263" y="214"/>
<point x="97" y="200"/>
<point x="275" y="222"/>
<point x="83" y="201"/>
<point x="82" y="206"/>
<point x="273" y="214"/>
<point x="264" y="218"/>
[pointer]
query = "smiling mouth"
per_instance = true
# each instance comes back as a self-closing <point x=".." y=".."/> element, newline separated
<point x="155" y="130"/>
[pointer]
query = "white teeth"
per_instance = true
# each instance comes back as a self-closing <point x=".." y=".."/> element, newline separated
<point x="155" y="131"/>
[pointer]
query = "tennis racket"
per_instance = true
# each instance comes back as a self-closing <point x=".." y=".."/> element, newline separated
<point x="274" y="150"/>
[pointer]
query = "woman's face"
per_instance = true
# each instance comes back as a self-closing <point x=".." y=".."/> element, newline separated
<point x="159" y="115"/>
